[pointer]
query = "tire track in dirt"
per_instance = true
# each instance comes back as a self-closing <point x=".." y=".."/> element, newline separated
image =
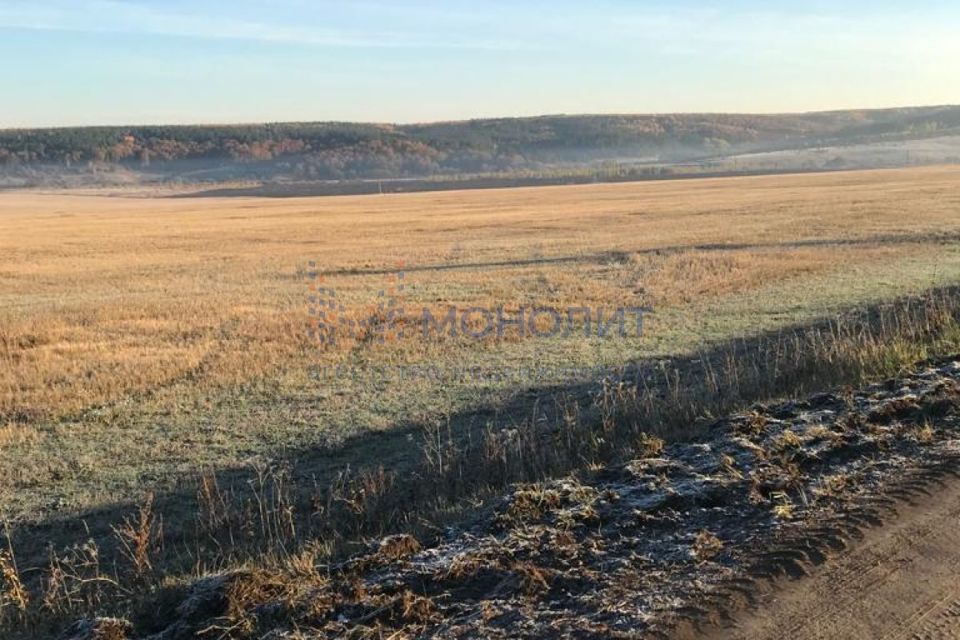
<point x="899" y="581"/>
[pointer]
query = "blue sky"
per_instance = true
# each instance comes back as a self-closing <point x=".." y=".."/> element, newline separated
<point x="69" y="62"/>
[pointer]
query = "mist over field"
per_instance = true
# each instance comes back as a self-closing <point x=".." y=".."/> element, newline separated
<point x="564" y="148"/>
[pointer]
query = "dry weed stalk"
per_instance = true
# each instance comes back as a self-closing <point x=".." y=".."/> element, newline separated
<point x="13" y="593"/>
<point x="137" y="538"/>
<point x="74" y="582"/>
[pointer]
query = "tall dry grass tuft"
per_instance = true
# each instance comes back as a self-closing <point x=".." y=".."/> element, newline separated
<point x="13" y="593"/>
<point x="213" y="509"/>
<point x="75" y="584"/>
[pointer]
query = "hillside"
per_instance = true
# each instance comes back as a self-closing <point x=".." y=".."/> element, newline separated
<point x="352" y="151"/>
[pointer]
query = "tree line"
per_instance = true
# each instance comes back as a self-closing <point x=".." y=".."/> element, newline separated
<point x="351" y="150"/>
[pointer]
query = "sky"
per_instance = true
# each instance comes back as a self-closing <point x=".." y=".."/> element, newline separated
<point x="87" y="62"/>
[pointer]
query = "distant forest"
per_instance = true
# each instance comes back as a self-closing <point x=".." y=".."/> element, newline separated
<point x="345" y="151"/>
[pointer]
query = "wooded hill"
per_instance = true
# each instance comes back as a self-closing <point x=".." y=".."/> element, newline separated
<point x="352" y="151"/>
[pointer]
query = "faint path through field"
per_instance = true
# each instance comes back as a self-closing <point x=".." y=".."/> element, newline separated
<point x="901" y="581"/>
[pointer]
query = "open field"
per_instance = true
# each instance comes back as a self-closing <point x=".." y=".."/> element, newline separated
<point x="142" y="339"/>
<point x="163" y="345"/>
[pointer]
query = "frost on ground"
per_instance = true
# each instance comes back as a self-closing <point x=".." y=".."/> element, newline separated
<point x="624" y="551"/>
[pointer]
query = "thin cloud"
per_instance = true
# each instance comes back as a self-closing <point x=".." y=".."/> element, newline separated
<point x="501" y="27"/>
<point x="108" y="16"/>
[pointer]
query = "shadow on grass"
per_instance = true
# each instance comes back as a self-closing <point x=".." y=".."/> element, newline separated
<point x="605" y="257"/>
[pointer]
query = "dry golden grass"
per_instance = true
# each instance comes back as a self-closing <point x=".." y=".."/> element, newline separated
<point x="114" y="306"/>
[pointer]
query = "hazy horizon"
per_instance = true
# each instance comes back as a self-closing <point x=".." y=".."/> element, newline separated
<point x="531" y="116"/>
<point x="111" y="62"/>
<point x="240" y="123"/>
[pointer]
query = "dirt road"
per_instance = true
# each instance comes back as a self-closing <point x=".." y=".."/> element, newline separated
<point x="901" y="580"/>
